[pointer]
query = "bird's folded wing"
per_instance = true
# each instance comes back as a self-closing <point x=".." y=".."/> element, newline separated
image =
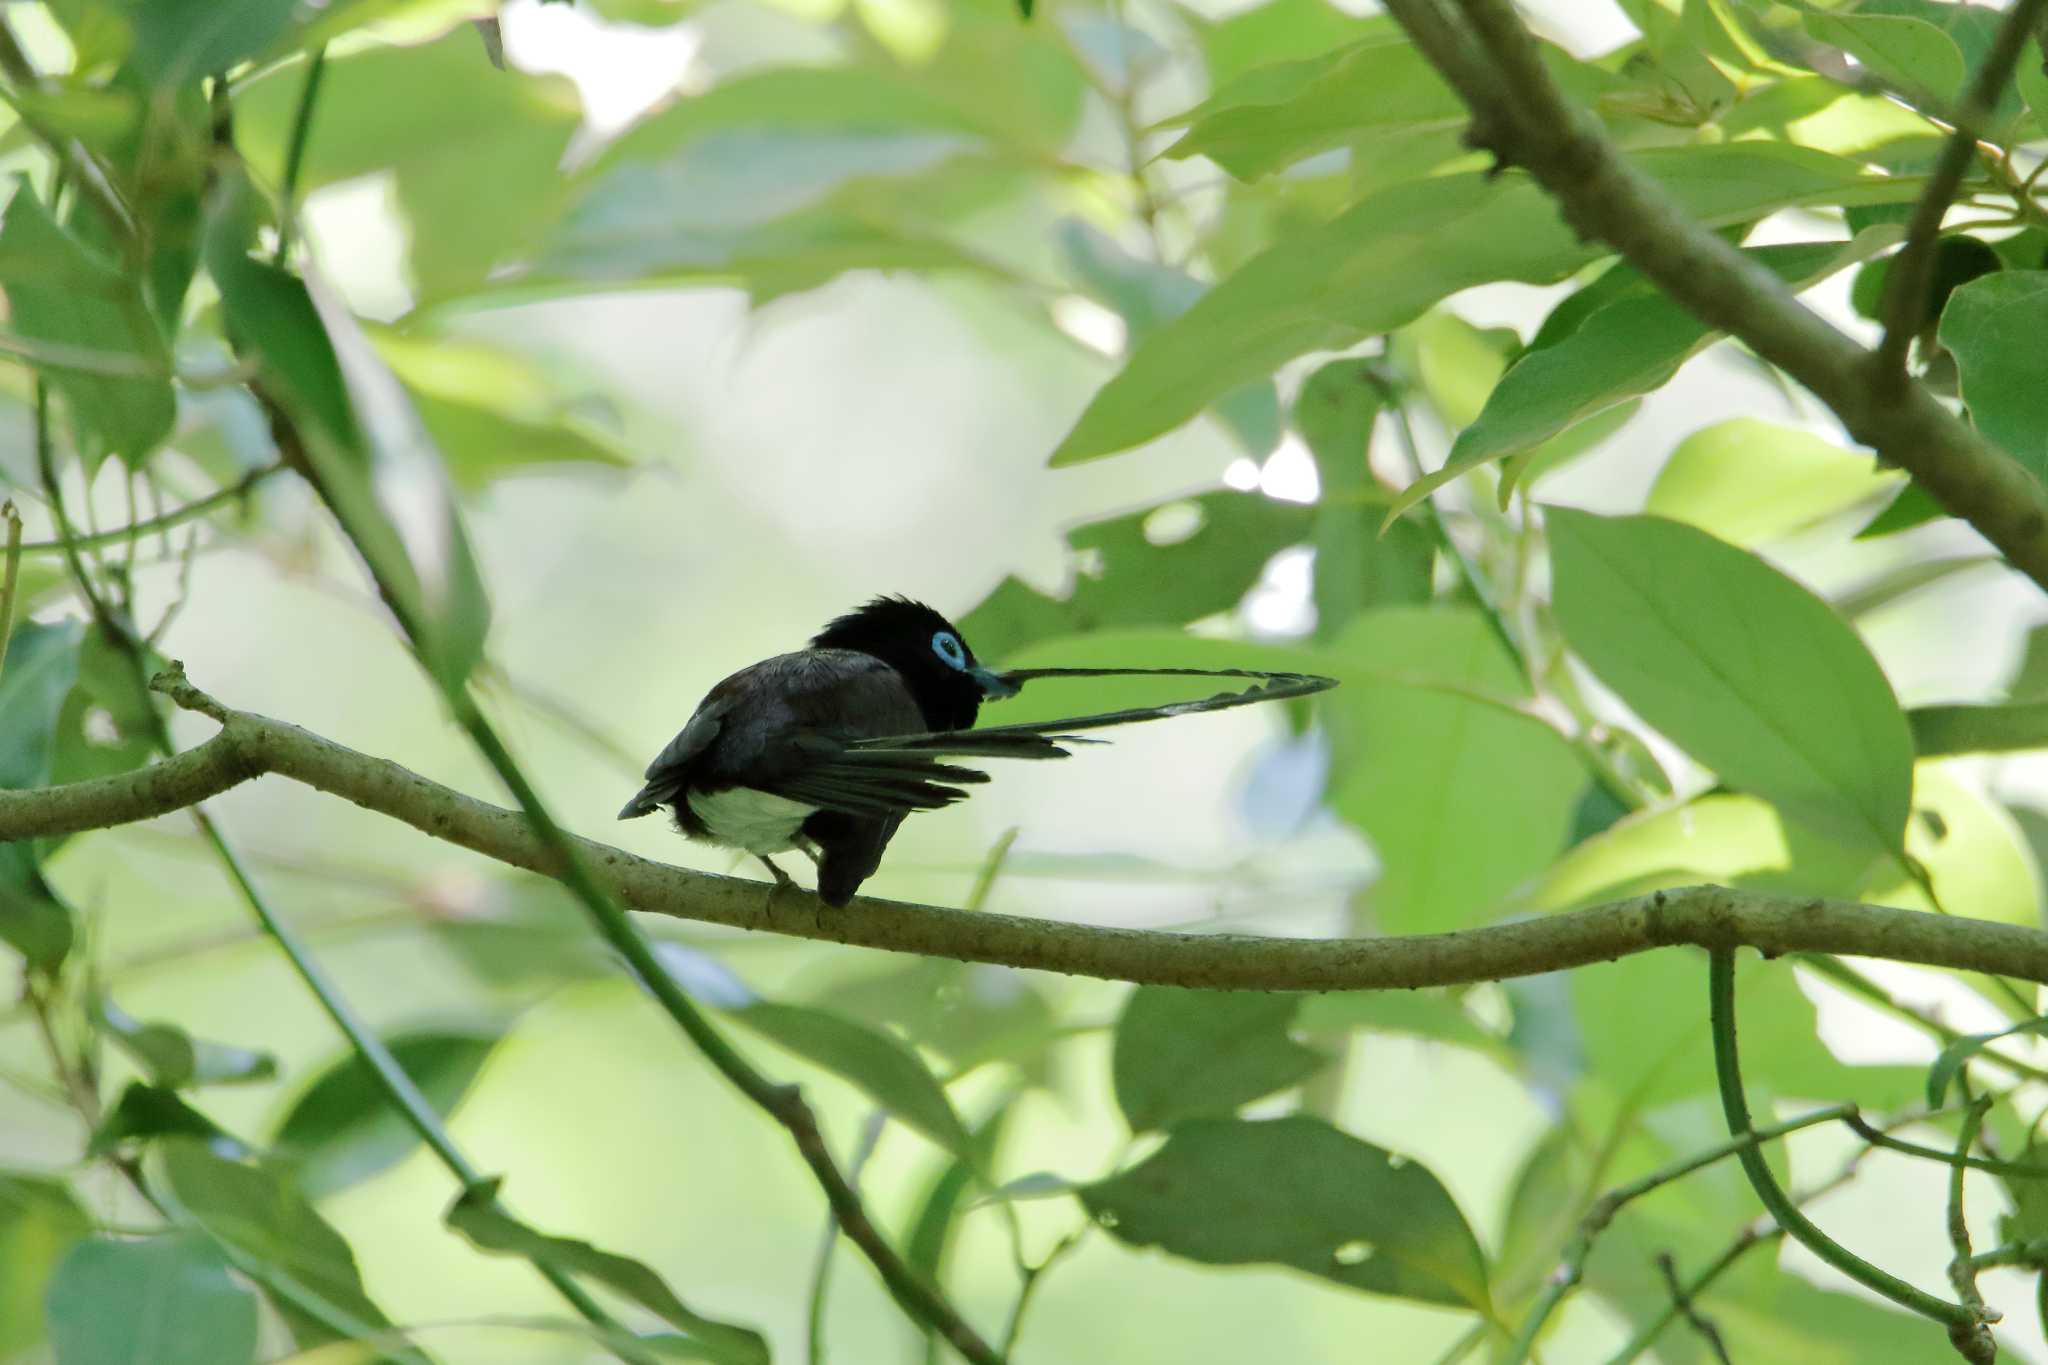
<point x="832" y="775"/>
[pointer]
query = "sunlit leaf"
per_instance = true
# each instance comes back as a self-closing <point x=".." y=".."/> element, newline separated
<point x="1749" y="482"/>
<point x="40" y="1220"/>
<point x="1674" y="621"/>
<point x="166" y="1300"/>
<point x="1296" y="1192"/>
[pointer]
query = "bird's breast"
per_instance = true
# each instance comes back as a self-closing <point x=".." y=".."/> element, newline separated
<point x="745" y="817"/>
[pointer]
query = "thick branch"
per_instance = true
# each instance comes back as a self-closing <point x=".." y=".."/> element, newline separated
<point x="1604" y="197"/>
<point x="1713" y="917"/>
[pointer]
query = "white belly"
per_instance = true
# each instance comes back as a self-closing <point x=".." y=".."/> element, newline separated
<point x="753" y="820"/>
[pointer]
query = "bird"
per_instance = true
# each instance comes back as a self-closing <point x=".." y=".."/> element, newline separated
<point x="784" y="755"/>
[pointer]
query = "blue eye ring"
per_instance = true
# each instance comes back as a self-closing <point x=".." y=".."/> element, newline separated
<point x="951" y="652"/>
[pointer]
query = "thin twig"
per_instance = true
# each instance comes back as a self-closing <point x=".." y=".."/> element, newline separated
<point x="1735" y="1105"/>
<point x="1959" y="1158"/>
<point x="302" y="128"/>
<point x="1681" y="1300"/>
<point x="1906" y="286"/>
<point x="1975" y="1344"/>
<point x="10" y="571"/>
<point x="177" y="516"/>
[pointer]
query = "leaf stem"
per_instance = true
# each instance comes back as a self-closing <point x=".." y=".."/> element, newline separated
<point x="295" y="157"/>
<point x="10" y="571"/>
<point x="1735" y="1106"/>
<point x="1974" y="1343"/>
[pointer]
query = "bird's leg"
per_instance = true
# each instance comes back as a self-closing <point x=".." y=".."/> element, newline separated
<point x="809" y="848"/>
<point x="783" y="882"/>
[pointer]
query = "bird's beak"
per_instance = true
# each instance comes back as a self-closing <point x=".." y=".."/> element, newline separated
<point x="994" y="684"/>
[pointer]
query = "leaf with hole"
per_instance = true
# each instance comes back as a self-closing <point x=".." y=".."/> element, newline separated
<point x="1297" y="1192"/>
<point x="1184" y="1054"/>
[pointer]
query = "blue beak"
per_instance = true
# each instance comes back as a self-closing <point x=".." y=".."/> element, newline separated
<point x="993" y="684"/>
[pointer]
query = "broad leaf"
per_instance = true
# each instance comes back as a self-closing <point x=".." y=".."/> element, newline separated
<point x="181" y="41"/>
<point x="261" y="1221"/>
<point x="1184" y="1054"/>
<point x="42" y="666"/>
<point x="62" y="291"/>
<point x="888" y="1071"/>
<point x="166" y="1300"/>
<point x="343" y="1129"/>
<point x="173" y="1058"/>
<point x="1384" y="262"/>
<point x="1750" y="482"/>
<point x="477" y="1215"/>
<point x="1989" y="326"/>
<point x="40" y="1220"/>
<point x="1676" y="622"/>
<point x="1297" y="1192"/>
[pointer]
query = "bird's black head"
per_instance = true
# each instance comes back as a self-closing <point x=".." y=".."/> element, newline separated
<point x="941" y="671"/>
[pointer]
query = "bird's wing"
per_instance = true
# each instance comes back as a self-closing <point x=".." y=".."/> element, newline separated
<point x="670" y="769"/>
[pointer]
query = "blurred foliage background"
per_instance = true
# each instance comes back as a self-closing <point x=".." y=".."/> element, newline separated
<point x="670" y="330"/>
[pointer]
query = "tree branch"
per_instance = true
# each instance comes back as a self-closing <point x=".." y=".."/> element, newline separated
<point x="1905" y="297"/>
<point x="1707" y="916"/>
<point x="1604" y="197"/>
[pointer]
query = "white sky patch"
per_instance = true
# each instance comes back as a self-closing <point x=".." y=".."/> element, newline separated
<point x="620" y="70"/>
<point x="1242" y="474"/>
<point x="1088" y="322"/>
<point x="1289" y="473"/>
<point x="1282" y="604"/>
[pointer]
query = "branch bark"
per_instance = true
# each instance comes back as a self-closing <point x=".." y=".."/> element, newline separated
<point x="1522" y="116"/>
<point x="250" y="745"/>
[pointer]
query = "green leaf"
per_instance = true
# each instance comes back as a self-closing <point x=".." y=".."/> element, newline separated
<point x="1165" y="565"/>
<point x="473" y="151"/>
<point x="881" y="1067"/>
<point x="1355" y="567"/>
<point x="1387" y="260"/>
<point x="379" y="475"/>
<point x="261" y="1221"/>
<point x="180" y="41"/>
<point x="1748" y="481"/>
<point x="2014" y="728"/>
<point x="165" y="1300"/>
<point x="1183" y="1054"/>
<point x="1462" y="797"/>
<point x="1297" y="1192"/>
<point x="477" y="1215"/>
<point x="343" y="1129"/>
<point x="1909" y="53"/>
<point x="40" y="1221"/>
<point x="108" y="724"/>
<point x="60" y="290"/>
<point x="969" y="1013"/>
<point x="1621" y="350"/>
<point x="1675" y="622"/>
<point x="1417" y="1014"/>
<point x="173" y="1058"/>
<point x="1949" y="1064"/>
<point x="1991" y="325"/>
<point x="145" y="1113"/>
<point x="42" y="667"/>
<point x="489" y="411"/>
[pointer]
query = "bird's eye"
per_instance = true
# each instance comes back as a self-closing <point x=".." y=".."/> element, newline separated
<point x="947" y="646"/>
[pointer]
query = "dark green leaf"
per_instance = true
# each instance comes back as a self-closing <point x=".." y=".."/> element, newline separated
<point x="261" y="1221"/>
<point x="1991" y="326"/>
<point x="1166" y="565"/>
<point x="888" y="1071"/>
<point x="167" y="1301"/>
<point x="108" y="725"/>
<point x="59" y="290"/>
<point x="1914" y="506"/>
<point x="1939" y="730"/>
<point x="1297" y="1192"/>
<point x="322" y="371"/>
<point x="342" y="1130"/>
<point x="40" y="1220"/>
<point x="1356" y="566"/>
<point x="1621" y="350"/>
<point x="1396" y="253"/>
<point x="147" y="1112"/>
<point x="42" y="667"/>
<point x="1184" y="1054"/>
<point x="1672" y="620"/>
<point x="179" y="41"/>
<point x="477" y="1215"/>
<point x="173" y="1058"/>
